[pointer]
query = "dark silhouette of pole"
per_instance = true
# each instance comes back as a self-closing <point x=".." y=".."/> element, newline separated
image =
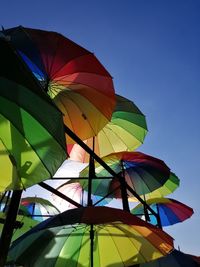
<point x="124" y="194"/>
<point x="103" y="164"/>
<point x="8" y="228"/>
<point x="56" y="192"/>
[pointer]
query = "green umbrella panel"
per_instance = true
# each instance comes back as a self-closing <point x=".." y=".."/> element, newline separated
<point x="125" y="132"/>
<point x="169" y="187"/>
<point x="32" y="141"/>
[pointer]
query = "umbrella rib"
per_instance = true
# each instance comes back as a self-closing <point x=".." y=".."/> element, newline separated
<point x="91" y="87"/>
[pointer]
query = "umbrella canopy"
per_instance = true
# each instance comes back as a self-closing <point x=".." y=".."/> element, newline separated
<point x="71" y="75"/>
<point x="169" y="187"/>
<point x="33" y="207"/>
<point x="170" y="211"/>
<point x="32" y="141"/>
<point x="125" y="132"/>
<point x="142" y="172"/>
<point x="27" y="224"/>
<point x="119" y="239"/>
<point x="76" y="192"/>
<point x="37" y="208"/>
<point x="174" y="259"/>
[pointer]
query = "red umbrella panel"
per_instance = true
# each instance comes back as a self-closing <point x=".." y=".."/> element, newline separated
<point x="71" y="75"/>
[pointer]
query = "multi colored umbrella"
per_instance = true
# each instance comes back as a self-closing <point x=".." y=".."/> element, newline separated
<point x="169" y="187"/>
<point x="37" y="208"/>
<point x="78" y="194"/>
<point x="71" y="75"/>
<point x="32" y="141"/>
<point x="170" y="211"/>
<point x="125" y="132"/>
<point x="92" y="236"/>
<point x="174" y="259"/>
<point x="142" y="173"/>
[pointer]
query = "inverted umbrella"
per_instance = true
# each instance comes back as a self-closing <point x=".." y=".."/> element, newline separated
<point x="170" y="211"/>
<point x="37" y="208"/>
<point x="125" y="132"/>
<point x="78" y="194"/>
<point x="174" y="259"/>
<point x="169" y="187"/>
<point x="71" y="75"/>
<point x="115" y="238"/>
<point x="142" y="173"/>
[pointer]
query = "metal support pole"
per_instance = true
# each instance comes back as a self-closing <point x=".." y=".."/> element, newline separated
<point x="51" y="189"/>
<point x="8" y="228"/>
<point x="158" y="217"/>
<point x="91" y="175"/>
<point x="123" y="189"/>
<point x="102" y="163"/>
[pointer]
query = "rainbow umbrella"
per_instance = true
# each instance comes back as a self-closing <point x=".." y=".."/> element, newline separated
<point x="170" y="211"/>
<point x="125" y="132"/>
<point x="37" y="208"/>
<point x="78" y="194"/>
<point x="169" y="187"/>
<point x="92" y="236"/>
<point x="174" y="259"/>
<point x="142" y="173"/>
<point x="32" y="140"/>
<point x="71" y="75"/>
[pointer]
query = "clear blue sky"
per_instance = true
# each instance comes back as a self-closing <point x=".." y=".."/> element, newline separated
<point x="152" y="50"/>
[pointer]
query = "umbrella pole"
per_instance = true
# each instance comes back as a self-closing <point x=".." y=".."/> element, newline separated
<point x="158" y="217"/>
<point x="8" y="228"/>
<point x="123" y="190"/>
<point x="91" y="174"/>
<point x="146" y="214"/>
<point x="100" y="161"/>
